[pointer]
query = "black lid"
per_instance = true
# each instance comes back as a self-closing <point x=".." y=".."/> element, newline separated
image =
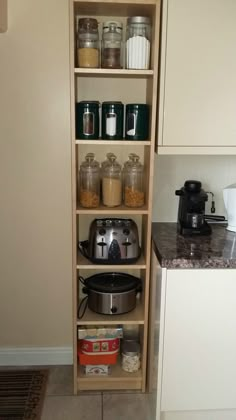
<point x="112" y="103"/>
<point x="88" y="103"/>
<point x="112" y="282"/>
<point x="193" y="186"/>
<point x="137" y="106"/>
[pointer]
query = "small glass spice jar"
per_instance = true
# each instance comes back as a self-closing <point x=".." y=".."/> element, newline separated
<point x="112" y="183"/>
<point x="89" y="181"/>
<point x="131" y="356"/>
<point x="112" y="45"/>
<point x="133" y="175"/>
<point x="88" y="43"/>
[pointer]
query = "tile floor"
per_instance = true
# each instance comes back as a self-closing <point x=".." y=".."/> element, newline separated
<point x="61" y="404"/>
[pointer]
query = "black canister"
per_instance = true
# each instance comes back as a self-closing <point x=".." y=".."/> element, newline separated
<point x="87" y="120"/>
<point x="137" y="122"/>
<point x="112" y="120"/>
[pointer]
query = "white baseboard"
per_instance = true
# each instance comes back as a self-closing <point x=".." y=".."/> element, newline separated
<point x="29" y="356"/>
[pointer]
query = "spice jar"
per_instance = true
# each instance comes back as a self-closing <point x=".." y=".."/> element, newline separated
<point x="88" y="43"/>
<point x="112" y="120"/>
<point x="111" y="183"/>
<point x="137" y="122"/>
<point x="87" y="120"/>
<point x="138" y="38"/>
<point x="133" y="182"/>
<point x="89" y="192"/>
<point x="131" y="356"/>
<point x="112" y="45"/>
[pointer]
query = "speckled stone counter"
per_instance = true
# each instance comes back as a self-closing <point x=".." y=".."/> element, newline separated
<point x="217" y="250"/>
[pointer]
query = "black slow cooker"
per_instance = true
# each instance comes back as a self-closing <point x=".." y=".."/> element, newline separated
<point x="111" y="293"/>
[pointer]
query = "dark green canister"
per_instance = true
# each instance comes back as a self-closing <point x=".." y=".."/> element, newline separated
<point x="112" y="120"/>
<point x="137" y="122"/>
<point x="87" y="120"/>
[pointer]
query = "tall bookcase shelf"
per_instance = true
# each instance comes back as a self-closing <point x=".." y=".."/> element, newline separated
<point x="128" y="86"/>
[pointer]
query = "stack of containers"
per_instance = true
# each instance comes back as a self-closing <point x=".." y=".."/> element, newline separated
<point x="98" y="349"/>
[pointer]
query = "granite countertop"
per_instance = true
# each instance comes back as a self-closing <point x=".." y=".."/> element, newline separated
<point x="217" y="250"/>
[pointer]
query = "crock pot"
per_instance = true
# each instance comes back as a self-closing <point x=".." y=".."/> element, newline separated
<point x="111" y="293"/>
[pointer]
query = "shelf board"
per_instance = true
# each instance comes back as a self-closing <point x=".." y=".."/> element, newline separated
<point x="136" y="316"/>
<point x="84" y="263"/>
<point x="115" y="142"/>
<point x="113" y="72"/>
<point x="118" y="379"/>
<point x="112" y="210"/>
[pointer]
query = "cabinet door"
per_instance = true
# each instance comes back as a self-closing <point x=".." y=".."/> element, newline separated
<point x="198" y="83"/>
<point x="199" y="365"/>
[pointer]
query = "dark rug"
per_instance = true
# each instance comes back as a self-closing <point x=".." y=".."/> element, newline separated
<point x="22" y="394"/>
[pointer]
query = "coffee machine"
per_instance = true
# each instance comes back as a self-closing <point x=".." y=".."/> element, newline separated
<point x="191" y="211"/>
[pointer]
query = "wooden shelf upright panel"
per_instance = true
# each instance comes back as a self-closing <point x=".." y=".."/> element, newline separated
<point x="128" y="86"/>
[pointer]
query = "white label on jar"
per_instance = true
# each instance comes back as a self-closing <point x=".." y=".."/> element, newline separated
<point x="111" y="124"/>
<point x="88" y="123"/>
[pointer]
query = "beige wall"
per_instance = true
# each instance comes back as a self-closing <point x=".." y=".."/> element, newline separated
<point x="35" y="196"/>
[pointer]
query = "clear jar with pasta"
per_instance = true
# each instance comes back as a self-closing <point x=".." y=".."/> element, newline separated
<point x="133" y="176"/>
<point x="89" y="182"/>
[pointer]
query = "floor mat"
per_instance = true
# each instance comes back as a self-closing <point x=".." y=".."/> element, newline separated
<point x="22" y="394"/>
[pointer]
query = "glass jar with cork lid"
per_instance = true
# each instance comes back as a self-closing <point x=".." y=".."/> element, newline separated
<point x="89" y="181"/>
<point x="133" y="175"/>
<point x="112" y="183"/>
<point x="88" y="43"/>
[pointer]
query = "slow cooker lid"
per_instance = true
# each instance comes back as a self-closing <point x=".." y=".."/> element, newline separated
<point x="112" y="282"/>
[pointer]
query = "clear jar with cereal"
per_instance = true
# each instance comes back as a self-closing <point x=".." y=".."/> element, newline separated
<point x="133" y="175"/>
<point x="131" y="356"/>
<point x="89" y="181"/>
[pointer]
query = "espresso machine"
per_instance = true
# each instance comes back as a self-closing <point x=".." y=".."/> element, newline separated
<point x="191" y="211"/>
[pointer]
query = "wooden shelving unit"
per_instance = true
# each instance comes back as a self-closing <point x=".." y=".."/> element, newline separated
<point x="128" y="86"/>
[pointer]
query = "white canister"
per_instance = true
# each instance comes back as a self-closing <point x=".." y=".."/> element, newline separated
<point x="138" y="39"/>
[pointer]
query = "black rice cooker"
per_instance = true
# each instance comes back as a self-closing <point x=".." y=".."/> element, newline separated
<point x="111" y="293"/>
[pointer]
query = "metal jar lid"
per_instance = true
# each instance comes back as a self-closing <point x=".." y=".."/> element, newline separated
<point x="139" y="19"/>
<point x="131" y="348"/>
<point x="136" y="106"/>
<point x="88" y="104"/>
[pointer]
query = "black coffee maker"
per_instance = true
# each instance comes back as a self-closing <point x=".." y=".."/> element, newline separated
<point x="191" y="212"/>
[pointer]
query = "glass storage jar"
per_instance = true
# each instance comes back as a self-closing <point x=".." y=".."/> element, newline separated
<point x="131" y="356"/>
<point x="138" y="38"/>
<point x="105" y="162"/>
<point x="133" y="175"/>
<point x="112" y="45"/>
<point x="111" y="183"/>
<point x="88" y="43"/>
<point x="89" y="181"/>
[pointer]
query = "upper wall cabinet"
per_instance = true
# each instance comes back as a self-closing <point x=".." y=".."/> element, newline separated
<point x="197" y="110"/>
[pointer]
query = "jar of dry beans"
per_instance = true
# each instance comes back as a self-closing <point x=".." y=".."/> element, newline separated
<point x="89" y="191"/>
<point x="133" y="176"/>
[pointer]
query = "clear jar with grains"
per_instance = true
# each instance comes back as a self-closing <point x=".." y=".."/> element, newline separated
<point x="138" y="39"/>
<point x="88" y="43"/>
<point x="112" y="45"/>
<point x="133" y="176"/>
<point x="131" y="356"/>
<point x="89" y="181"/>
<point x="111" y="183"/>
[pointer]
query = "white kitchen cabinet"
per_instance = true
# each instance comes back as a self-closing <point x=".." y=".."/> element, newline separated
<point x="197" y="344"/>
<point x="197" y="82"/>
